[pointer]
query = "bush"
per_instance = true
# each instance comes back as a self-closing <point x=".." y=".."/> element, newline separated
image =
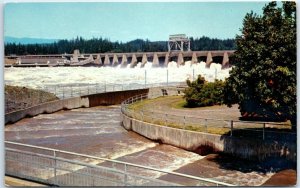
<point x="203" y="93"/>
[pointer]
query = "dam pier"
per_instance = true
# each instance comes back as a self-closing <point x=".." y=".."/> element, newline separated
<point x="158" y="59"/>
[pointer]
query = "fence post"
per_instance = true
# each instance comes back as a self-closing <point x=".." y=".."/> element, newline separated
<point x="41" y="101"/>
<point x="145" y="78"/>
<point x="205" y="123"/>
<point x="167" y="77"/>
<point x="231" y="127"/>
<point x="55" y="165"/>
<point x="32" y="97"/>
<point x="71" y="91"/>
<point x="183" y="122"/>
<point x="166" y="119"/>
<point x="125" y="173"/>
<point x="152" y="115"/>
<point x="63" y="92"/>
<point x="142" y="115"/>
<point x="193" y="74"/>
<point x="264" y="126"/>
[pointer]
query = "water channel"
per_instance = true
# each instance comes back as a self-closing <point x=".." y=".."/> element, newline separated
<point x="97" y="131"/>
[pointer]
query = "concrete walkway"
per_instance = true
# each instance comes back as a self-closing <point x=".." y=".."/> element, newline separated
<point x="13" y="182"/>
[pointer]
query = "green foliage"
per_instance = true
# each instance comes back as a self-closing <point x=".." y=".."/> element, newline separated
<point x="203" y="93"/>
<point x="263" y="80"/>
<point x="99" y="45"/>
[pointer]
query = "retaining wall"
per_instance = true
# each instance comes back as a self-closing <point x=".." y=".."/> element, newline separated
<point x="112" y="98"/>
<point x="109" y="98"/>
<point x="201" y="142"/>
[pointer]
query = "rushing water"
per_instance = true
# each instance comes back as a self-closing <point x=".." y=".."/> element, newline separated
<point x="97" y="131"/>
<point x="46" y="76"/>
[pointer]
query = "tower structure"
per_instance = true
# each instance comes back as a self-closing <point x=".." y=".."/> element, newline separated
<point x="179" y="42"/>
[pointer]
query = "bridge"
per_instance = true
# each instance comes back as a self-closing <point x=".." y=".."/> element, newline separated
<point x="158" y="59"/>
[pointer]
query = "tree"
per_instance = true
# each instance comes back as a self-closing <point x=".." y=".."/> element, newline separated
<point x="263" y="80"/>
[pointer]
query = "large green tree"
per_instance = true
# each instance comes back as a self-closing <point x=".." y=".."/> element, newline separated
<point x="263" y="80"/>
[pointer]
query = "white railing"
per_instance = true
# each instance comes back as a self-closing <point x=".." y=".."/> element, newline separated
<point x="65" y="168"/>
<point x="257" y="130"/>
<point x="33" y="97"/>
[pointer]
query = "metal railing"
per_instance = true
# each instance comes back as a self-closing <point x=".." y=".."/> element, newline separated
<point x="63" y="168"/>
<point x="33" y="97"/>
<point x="236" y="128"/>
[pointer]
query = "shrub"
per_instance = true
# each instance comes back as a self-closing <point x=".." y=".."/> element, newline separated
<point x="203" y="93"/>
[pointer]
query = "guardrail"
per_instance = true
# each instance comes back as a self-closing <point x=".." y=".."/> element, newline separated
<point x="33" y="97"/>
<point x="65" y="168"/>
<point x="258" y="130"/>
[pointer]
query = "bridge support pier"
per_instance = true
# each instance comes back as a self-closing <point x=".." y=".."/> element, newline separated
<point x="167" y="59"/>
<point x="115" y="60"/>
<point x="106" y="61"/>
<point x="124" y="61"/>
<point x="180" y="60"/>
<point x="98" y="60"/>
<point x="133" y="61"/>
<point x="209" y="60"/>
<point x="194" y="59"/>
<point x="144" y="60"/>
<point x="155" y="62"/>
<point x="225" y="62"/>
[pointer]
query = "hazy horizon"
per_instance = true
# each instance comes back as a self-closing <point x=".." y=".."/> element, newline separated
<point x="126" y="21"/>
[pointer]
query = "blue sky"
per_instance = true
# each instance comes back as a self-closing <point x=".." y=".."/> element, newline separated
<point x="121" y="21"/>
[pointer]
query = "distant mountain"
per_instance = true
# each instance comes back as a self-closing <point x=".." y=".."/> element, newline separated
<point x="26" y="40"/>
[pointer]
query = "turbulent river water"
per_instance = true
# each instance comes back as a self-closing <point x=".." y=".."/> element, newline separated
<point x="47" y="76"/>
<point x="97" y="131"/>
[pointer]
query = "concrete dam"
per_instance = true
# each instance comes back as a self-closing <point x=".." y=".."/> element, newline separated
<point x="158" y="59"/>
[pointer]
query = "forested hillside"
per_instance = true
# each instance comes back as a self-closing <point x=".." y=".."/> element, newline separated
<point x="100" y="45"/>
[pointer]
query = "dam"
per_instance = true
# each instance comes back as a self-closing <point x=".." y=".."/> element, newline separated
<point x="158" y="59"/>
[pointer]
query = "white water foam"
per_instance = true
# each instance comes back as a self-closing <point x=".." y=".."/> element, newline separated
<point x="35" y="77"/>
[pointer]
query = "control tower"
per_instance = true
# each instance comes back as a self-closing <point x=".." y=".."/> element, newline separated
<point x="179" y="42"/>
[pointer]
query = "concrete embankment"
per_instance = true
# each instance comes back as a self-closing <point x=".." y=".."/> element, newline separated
<point x="204" y="143"/>
<point x="109" y="98"/>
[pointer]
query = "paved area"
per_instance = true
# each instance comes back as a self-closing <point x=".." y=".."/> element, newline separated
<point x="16" y="182"/>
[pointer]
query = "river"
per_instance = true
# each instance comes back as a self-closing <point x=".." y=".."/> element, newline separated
<point x="97" y="131"/>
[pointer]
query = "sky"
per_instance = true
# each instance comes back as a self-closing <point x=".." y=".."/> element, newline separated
<point x="125" y="21"/>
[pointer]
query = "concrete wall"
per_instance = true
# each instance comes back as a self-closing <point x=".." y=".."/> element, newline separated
<point x="109" y="98"/>
<point x="201" y="142"/>
<point x="49" y="107"/>
<point x="112" y="98"/>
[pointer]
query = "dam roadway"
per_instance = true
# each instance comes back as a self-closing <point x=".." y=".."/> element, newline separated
<point x="97" y="131"/>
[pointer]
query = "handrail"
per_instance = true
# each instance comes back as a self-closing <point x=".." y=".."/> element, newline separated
<point x="76" y="162"/>
<point x="126" y="102"/>
<point x="121" y="162"/>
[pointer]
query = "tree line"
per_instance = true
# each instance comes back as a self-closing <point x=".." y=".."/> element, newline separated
<point x="100" y="45"/>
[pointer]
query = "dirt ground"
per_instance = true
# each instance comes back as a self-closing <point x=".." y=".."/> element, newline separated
<point x="17" y="98"/>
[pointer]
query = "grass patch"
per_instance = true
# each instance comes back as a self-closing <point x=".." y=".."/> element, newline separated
<point x="181" y="104"/>
<point x="153" y="111"/>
